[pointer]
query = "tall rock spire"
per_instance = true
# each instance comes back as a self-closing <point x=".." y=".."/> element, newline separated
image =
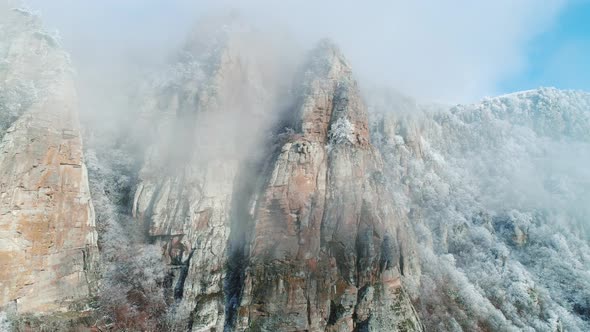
<point x="301" y="237"/>
<point x="205" y="135"/>
<point x="325" y="248"/>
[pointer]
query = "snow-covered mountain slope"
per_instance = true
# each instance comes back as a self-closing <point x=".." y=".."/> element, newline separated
<point x="498" y="194"/>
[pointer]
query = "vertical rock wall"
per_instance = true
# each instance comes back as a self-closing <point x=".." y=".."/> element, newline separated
<point x="303" y="238"/>
<point x="326" y="250"/>
<point x="47" y="236"/>
<point x="206" y="127"/>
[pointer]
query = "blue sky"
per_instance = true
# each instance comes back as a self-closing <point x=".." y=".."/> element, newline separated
<point x="560" y="56"/>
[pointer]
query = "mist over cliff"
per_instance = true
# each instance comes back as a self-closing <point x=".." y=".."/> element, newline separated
<point x="207" y="169"/>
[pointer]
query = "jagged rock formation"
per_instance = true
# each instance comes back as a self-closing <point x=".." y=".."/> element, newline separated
<point x="327" y="252"/>
<point x="47" y="236"/>
<point x="211" y="119"/>
<point x="298" y="239"/>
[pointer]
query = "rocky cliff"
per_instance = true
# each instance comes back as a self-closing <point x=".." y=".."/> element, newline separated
<point x="326" y="252"/>
<point x="288" y="231"/>
<point x="47" y="236"/>
<point x="249" y="187"/>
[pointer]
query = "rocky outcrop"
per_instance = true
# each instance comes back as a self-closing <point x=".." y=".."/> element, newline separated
<point x="47" y="236"/>
<point x="293" y="233"/>
<point x="326" y="251"/>
<point x="207" y="124"/>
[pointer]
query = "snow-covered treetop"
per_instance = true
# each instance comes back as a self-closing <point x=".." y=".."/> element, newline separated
<point x="548" y="111"/>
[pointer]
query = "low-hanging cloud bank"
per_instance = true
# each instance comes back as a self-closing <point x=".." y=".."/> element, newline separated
<point x="448" y="51"/>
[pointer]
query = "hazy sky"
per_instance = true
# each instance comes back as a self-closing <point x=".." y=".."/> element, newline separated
<point x="452" y="51"/>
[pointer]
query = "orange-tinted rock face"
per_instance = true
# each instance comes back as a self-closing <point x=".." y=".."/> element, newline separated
<point x="47" y="236"/>
<point x="326" y="246"/>
<point x="47" y="220"/>
<point x="298" y="238"/>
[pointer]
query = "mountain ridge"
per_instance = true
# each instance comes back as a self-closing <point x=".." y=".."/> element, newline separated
<point x="246" y="192"/>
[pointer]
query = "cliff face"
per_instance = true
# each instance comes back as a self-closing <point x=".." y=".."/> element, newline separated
<point x="326" y="250"/>
<point x="292" y="233"/>
<point x="208" y="121"/>
<point x="47" y="236"/>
